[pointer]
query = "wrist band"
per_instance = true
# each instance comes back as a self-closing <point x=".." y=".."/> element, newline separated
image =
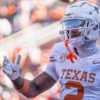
<point x="25" y="87"/>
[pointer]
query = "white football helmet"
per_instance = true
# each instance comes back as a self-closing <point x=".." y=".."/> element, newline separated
<point x="81" y="23"/>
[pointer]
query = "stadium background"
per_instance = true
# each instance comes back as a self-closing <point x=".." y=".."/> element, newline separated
<point x="29" y="28"/>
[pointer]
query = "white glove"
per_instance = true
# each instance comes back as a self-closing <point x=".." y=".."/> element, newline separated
<point x="11" y="69"/>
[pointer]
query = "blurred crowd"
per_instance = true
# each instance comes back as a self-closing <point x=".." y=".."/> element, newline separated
<point x="16" y="16"/>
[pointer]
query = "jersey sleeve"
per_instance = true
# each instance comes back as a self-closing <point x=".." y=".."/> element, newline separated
<point x="51" y="68"/>
<point x="55" y="54"/>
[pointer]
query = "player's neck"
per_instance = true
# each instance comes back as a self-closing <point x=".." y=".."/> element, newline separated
<point x="88" y="49"/>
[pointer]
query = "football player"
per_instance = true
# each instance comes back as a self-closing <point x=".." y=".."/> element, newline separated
<point x="74" y="62"/>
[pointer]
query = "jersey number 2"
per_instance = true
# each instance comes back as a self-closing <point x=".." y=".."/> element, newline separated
<point x="80" y="91"/>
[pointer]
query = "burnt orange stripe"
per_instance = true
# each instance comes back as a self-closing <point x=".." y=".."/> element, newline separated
<point x="25" y="87"/>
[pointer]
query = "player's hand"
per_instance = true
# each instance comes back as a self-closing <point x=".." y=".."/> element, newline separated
<point x="11" y="69"/>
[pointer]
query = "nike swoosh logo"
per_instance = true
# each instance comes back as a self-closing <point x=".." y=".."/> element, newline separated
<point x="96" y="62"/>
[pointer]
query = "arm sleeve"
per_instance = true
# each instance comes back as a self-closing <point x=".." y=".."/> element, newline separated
<point x="50" y="70"/>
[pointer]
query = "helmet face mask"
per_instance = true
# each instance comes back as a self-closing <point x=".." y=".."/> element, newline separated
<point x="69" y="34"/>
<point x="74" y="28"/>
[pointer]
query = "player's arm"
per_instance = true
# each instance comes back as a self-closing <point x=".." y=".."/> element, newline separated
<point x="35" y="87"/>
<point x="29" y="88"/>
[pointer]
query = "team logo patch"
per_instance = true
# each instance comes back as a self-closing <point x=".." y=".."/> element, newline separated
<point x="63" y="57"/>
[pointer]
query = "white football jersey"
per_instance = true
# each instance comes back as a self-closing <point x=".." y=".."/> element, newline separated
<point x="79" y="80"/>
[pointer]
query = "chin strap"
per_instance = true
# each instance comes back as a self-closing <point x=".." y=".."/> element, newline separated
<point x="71" y="56"/>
